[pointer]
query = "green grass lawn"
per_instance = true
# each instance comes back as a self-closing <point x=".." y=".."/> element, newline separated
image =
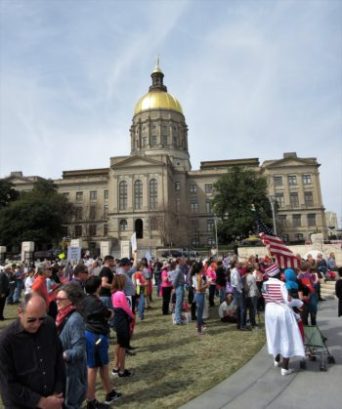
<point x="173" y="364"/>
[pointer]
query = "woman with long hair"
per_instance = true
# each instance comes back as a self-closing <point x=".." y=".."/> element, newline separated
<point x="200" y="284"/>
<point x="123" y="317"/>
<point x="70" y="327"/>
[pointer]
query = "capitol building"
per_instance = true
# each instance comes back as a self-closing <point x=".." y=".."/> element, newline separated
<point x="154" y="191"/>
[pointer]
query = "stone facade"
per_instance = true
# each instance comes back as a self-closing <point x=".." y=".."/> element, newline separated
<point x="154" y="192"/>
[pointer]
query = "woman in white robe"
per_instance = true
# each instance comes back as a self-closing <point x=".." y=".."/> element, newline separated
<point x="282" y="331"/>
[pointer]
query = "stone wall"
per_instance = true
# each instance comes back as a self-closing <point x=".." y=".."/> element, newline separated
<point x="325" y="249"/>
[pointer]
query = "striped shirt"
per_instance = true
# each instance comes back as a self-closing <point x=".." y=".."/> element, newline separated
<point x="272" y="291"/>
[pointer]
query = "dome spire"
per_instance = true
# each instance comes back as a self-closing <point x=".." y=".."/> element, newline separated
<point x="157" y="78"/>
<point x="157" y="67"/>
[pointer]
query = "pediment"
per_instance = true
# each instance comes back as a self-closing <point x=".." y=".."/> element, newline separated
<point x="291" y="162"/>
<point x="17" y="180"/>
<point x="136" y="161"/>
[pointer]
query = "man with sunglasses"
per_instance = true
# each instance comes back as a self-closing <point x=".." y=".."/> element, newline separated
<point x="32" y="372"/>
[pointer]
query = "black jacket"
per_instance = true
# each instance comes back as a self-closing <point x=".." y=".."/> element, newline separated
<point x="4" y="284"/>
<point x="31" y="365"/>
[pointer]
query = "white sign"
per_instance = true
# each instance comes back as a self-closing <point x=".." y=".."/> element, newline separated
<point x="3" y="249"/>
<point x="125" y="247"/>
<point x="105" y="248"/>
<point x="27" y="248"/>
<point x="74" y="254"/>
<point x="76" y="243"/>
<point x="134" y="242"/>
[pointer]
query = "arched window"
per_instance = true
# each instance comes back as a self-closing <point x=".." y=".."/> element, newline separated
<point x="139" y="228"/>
<point x="122" y="195"/>
<point x="138" y="194"/>
<point x="153" y="194"/>
<point x="123" y="225"/>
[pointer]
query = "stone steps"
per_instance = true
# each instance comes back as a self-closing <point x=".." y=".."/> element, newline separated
<point x="328" y="290"/>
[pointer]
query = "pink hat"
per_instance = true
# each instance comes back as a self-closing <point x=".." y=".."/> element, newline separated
<point x="272" y="270"/>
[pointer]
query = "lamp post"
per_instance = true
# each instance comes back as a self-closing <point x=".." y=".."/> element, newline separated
<point x="272" y="200"/>
<point x="216" y="240"/>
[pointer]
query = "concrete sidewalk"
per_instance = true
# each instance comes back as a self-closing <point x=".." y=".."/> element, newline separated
<point x="258" y="385"/>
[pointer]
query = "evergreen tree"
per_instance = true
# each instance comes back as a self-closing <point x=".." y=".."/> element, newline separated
<point x="237" y="193"/>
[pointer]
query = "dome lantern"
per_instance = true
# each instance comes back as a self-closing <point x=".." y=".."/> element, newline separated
<point x="157" y="96"/>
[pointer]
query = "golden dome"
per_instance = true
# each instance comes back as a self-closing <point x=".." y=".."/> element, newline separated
<point x="158" y="100"/>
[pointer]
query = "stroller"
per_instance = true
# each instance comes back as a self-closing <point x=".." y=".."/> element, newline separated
<point x="315" y="341"/>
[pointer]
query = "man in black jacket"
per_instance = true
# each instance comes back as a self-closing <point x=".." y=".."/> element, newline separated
<point x="32" y="372"/>
<point x="4" y="290"/>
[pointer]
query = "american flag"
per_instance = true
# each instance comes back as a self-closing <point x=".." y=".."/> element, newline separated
<point x="278" y="249"/>
<point x="275" y="245"/>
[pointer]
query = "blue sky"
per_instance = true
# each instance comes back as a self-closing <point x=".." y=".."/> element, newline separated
<point x="255" y="79"/>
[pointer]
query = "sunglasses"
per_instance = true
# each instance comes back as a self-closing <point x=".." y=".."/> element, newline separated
<point x="32" y="320"/>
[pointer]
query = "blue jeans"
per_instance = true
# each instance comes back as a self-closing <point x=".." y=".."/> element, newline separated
<point x="199" y="298"/>
<point x="141" y="306"/>
<point x="240" y="303"/>
<point x="222" y="294"/>
<point x="179" y="303"/>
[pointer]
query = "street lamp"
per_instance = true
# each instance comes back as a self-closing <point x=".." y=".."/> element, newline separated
<point x="272" y="201"/>
<point x="216" y="240"/>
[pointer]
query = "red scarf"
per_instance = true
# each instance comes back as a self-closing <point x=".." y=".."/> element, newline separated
<point x="63" y="313"/>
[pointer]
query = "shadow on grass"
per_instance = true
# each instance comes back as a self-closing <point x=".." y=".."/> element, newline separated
<point x="147" y="396"/>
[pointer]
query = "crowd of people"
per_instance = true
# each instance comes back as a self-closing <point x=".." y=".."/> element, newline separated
<point x="67" y="312"/>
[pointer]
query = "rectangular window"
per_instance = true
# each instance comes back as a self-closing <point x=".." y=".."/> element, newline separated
<point x="178" y="204"/>
<point x="154" y="223"/>
<point x="282" y="220"/>
<point x="195" y="225"/>
<point x="65" y="231"/>
<point x="193" y="188"/>
<point x="311" y="219"/>
<point x="93" y="195"/>
<point x="92" y="213"/>
<point x="208" y="207"/>
<point x="278" y="180"/>
<point x="177" y="186"/>
<point x="78" y="231"/>
<point x="294" y="201"/>
<point x="164" y="139"/>
<point x="105" y="194"/>
<point x="195" y="242"/>
<point x="211" y="241"/>
<point x="210" y="225"/>
<point x="280" y="199"/>
<point x="153" y="140"/>
<point x="306" y="179"/>
<point x="79" y="196"/>
<point x="194" y="207"/>
<point x="92" y="229"/>
<point x="66" y="195"/>
<point x="292" y="180"/>
<point x="308" y="199"/>
<point x="78" y="213"/>
<point x="105" y="229"/>
<point x="296" y="220"/>
<point x="208" y="188"/>
<point x="299" y="236"/>
<point x="105" y="212"/>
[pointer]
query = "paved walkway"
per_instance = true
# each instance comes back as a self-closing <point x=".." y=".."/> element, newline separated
<point x="258" y="385"/>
